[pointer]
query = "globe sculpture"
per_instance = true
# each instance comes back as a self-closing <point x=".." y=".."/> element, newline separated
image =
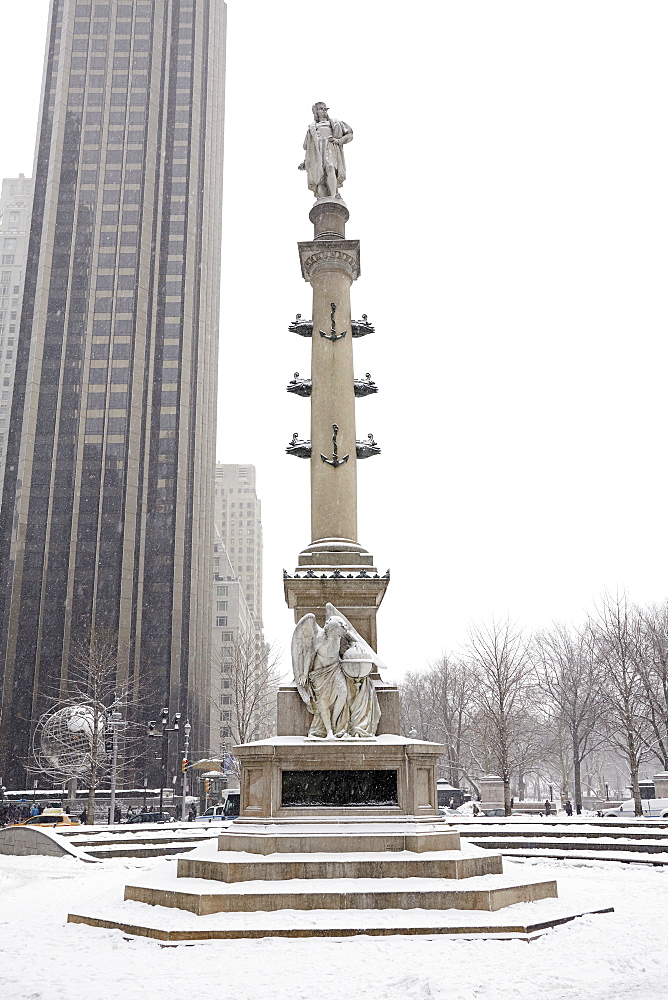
<point x="67" y="738"/>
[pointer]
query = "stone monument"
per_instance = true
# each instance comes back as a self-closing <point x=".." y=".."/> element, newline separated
<point x="334" y="568"/>
<point x="338" y="811"/>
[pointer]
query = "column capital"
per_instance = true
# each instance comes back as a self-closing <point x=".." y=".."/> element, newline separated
<point x="319" y="256"/>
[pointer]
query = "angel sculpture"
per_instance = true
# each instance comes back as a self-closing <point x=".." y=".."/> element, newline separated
<point x="332" y="667"/>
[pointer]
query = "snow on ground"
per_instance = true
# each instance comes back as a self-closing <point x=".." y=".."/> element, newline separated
<point x="620" y="955"/>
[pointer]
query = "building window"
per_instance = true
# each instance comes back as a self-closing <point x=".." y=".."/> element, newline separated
<point x="221" y="592"/>
<point x="221" y="606"/>
<point x="221" y="620"/>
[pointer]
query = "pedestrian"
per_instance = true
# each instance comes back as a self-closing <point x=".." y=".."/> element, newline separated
<point x="117" y="814"/>
<point x="548" y="807"/>
<point x="83" y="816"/>
<point x="568" y="807"/>
<point x="192" y="815"/>
<point x="34" y="809"/>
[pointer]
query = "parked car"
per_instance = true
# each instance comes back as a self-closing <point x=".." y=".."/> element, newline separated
<point x="151" y="817"/>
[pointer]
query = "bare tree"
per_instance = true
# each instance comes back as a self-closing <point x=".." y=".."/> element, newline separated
<point x="416" y="711"/>
<point x="70" y="740"/>
<point x="449" y="685"/>
<point x="569" y="675"/>
<point x="654" y="676"/>
<point x="437" y="703"/>
<point x="251" y="670"/>
<point x="618" y="636"/>
<point x="499" y="655"/>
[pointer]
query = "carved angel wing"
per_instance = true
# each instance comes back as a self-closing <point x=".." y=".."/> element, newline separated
<point x="304" y="640"/>
<point x="331" y="610"/>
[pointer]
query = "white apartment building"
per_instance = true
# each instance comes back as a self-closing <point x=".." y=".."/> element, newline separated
<point x="15" y="205"/>
<point x="238" y="517"/>
<point x="238" y="648"/>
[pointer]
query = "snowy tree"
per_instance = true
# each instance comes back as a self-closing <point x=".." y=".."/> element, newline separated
<point x="507" y="731"/>
<point x="654" y="676"/>
<point x="568" y="673"/>
<point x="71" y="737"/>
<point x="250" y="668"/>
<point x="618" y="636"/>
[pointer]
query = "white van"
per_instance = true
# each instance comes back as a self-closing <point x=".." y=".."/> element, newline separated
<point x="226" y="809"/>
<point x="652" y="808"/>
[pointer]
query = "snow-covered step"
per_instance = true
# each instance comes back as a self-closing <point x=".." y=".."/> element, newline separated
<point x="229" y="866"/>
<point x="567" y="833"/>
<point x="203" y="896"/>
<point x="558" y="854"/>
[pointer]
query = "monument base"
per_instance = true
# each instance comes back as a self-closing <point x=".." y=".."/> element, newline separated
<point x="332" y="826"/>
<point x="293" y="777"/>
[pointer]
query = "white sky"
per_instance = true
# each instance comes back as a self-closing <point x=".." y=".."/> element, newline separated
<point x="508" y="181"/>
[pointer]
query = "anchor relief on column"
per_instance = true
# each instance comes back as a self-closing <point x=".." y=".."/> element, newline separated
<point x="333" y="335"/>
<point x="335" y="461"/>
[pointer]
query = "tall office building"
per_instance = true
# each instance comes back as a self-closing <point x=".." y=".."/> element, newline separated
<point x="106" y="520"/>
<point x="15" y="198"/>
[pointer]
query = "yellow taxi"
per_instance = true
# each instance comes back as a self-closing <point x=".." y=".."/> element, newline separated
<point x="50" y="817"/>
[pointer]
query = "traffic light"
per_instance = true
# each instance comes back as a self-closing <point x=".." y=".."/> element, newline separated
<point x="207" y="785"/>
<point x="184" y="765"/>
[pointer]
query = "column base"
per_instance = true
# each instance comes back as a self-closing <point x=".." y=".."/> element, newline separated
<point x="332" y="553"/>
<point x="357" y="593"/>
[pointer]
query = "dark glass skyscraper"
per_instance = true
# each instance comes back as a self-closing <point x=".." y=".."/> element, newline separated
<point x="106" y="520"/>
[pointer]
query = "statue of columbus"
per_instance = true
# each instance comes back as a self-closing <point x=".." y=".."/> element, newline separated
<point x="324" y="162"/>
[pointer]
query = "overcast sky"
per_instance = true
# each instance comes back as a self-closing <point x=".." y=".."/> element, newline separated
<point x="508" y="181"/>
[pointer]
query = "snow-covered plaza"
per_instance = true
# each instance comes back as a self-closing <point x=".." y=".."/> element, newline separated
<point x="615" y="955"/>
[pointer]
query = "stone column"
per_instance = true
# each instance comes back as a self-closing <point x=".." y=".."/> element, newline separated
<point x="331" y="263"/>
<point x="334" y="567"/>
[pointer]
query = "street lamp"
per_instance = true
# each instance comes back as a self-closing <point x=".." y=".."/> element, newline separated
<point x="113" y="722"/>
<point x="184" y="768"/>
<point x="161" y="730"/>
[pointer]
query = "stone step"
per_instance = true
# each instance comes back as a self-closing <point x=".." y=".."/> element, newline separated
<point x="136" y="851"/>
<point x="557" y="854"/>
<point x="262" y="840"/>
<point x="201" y="896"/>
<point x="229" y="867"/>
<point x="487" y="926"/>
<point x="579" y="844"/>
<point x="477" y="833"/>
<point x="571" y="824"/>
<point x="109" y="839"/>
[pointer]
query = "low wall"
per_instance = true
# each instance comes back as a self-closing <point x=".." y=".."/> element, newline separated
<point x="27" y="840"/>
